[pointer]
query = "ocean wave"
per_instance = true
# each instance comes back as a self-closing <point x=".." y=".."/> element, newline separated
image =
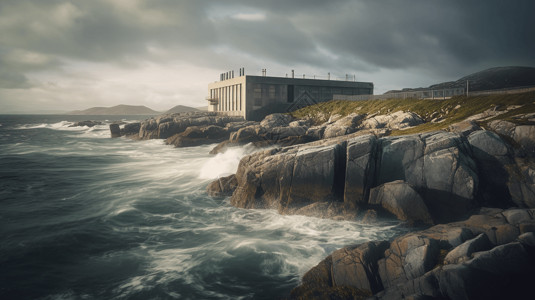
<point x="226" y="163"/>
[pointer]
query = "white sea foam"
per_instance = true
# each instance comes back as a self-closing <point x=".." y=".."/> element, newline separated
<point x="225" y="163"/>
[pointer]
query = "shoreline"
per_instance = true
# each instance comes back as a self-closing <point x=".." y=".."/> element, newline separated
<point x="350" y="168"/>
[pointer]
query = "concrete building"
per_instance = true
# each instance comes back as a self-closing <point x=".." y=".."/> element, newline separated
<point x="254" y="97"/>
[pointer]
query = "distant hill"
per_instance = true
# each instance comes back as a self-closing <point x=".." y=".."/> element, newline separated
<point x="121" y="109"/>
<point x="490" y="79"/>
<point x="180" y="108"/>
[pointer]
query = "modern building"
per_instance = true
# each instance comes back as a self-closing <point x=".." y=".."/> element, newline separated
<point x="254" y="97"/>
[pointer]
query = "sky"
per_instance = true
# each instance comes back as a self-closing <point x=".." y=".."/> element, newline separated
<point x="59" y="55"/>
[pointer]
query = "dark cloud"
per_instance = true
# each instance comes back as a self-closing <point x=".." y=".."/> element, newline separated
<point x="442" y="39"/>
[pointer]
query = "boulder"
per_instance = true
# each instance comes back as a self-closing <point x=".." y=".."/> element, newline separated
<point x="198" y="135"/>
<point x="343" y="126"/>
<point x="396" y="120"/>
<point x="276" y="120"/>
<point x="222" y="187"/>
<point x="464" y="128"/>
<point x="167" y="125"/>
<point x="115" y="130"/>
<point x="402" y="200"/>
<point x="464" y="251"/>
<point x="131" y="129"/>
<point x="357" y="266"/>
<point x="441" y="262"/>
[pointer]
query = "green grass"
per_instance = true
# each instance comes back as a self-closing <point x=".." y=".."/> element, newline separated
<point x="426" y="109"/>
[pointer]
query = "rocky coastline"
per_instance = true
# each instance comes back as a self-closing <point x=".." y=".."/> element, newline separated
<point x="472" y="186"/>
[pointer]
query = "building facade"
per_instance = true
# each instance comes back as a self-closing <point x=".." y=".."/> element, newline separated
<point x="254" y="97"/>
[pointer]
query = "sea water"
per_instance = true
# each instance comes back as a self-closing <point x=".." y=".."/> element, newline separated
<point x="85" y="216"/>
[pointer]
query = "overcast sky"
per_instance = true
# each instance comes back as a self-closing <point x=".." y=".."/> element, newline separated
<point x="64" y="55"/>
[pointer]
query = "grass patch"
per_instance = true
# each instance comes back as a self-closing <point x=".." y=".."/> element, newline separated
<point x="451" y="110"/>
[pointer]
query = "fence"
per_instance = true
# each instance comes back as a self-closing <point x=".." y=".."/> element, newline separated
<point x="433" y="94"/>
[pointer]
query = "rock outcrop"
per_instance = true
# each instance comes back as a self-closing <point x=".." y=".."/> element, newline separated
<point x="87" y="123"/>
<point x="434" y="172"/>
<point x="488" y="256"/>
<point x="165" y="126"/>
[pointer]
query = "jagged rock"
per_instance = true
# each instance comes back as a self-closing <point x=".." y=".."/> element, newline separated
<point x="494" y="158"/>
<point x="411" y="267"/>
<point x="396" y="120"/>
<point x="316" y="131"/>
<point x="343" y="126"/>
<point x="437" y="164"/>
<point x="343" y="169"/>
<point x="524" y="135"/>
<point x="464" y="251"/>
<point x="464" y="127"/>
<point x="276" y="120"/>
<point x="115" y="130"/>
<point x="357" y="266"/>
<point x="165" y="126"/>
<point x="198" y="135"/>
<point x="360" y="169"/>
<point x="87" y="123"/>
<point x="222" y="187"/>
<point x="131" y="129"/>
<point x="402" y="200"/>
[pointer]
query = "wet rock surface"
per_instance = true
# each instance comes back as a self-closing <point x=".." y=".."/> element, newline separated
<point x="448" y="261"/>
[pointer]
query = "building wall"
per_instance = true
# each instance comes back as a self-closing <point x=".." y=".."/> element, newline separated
<point x="253" y="97"/>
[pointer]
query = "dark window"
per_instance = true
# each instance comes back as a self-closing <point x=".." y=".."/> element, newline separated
<point x="290" y="94"/>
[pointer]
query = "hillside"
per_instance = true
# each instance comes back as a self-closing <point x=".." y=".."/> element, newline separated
<point x="437" y="114"/>
<point x="121" y="109"/>
<point x="490" y="79"/>
<point x="180" y="109"/>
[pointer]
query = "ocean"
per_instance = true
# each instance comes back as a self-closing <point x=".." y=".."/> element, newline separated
<point x="84" y="216"/>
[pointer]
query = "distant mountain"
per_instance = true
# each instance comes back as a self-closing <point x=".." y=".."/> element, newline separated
<point x="116" y="110"/>
<point x="180" y="108"/>
<point x="490" y="79"/>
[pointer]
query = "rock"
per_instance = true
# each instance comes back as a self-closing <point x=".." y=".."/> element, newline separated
<point x="130" y="129"/>
<point x="357" y="266"/>
<point x="437" y="165"/>
<point x="396" y="120"/>
<point x="276" y="120"/>
<point x="464" y="251"/>
<point x="165" y="126"/>
<point x="527" y="239"/>
<point x="411" y="265"/>
<point x="464" y="128"/>
<point x="198" y="135"/>
<point x="222" y="187"/>
<point x="87" y="123"/>
<point x="115" y="130"/>
<point x="516" y="216"/>
<point x="343" y="126"/>
<point x="290" y="178"/>
<point x="493" y="157"/>
<point x="370" y="217"/>
<point x="326" y="210"/>
<point x="525" y="136"/>
<point x="316" y="131"/>
<point x="488" y="144"/>
<point x="504" y="259"/>
<point x="408" y="257"/>
<point x="402" y="200"/>
<point x="360" y="170"/>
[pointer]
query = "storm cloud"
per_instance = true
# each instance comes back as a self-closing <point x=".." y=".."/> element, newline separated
<point x="63" y="55"/>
